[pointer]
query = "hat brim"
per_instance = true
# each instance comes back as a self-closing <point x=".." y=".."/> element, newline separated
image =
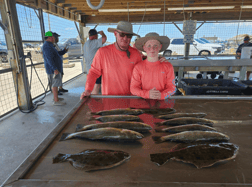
<point x="113" y="29"/>
<point x="164" y="40"/>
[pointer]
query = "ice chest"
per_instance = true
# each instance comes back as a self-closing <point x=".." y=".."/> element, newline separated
<point x="212" y="87"/>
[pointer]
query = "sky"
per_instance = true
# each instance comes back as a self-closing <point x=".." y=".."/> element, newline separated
<point x="30" y="28"/>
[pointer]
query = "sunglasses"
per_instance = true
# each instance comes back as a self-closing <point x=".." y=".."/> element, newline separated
<point x="123" y="35"/>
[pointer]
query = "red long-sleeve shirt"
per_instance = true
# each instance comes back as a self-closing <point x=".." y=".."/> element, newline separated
<point x="116" y="70"/>
<point x="147" y="75"/>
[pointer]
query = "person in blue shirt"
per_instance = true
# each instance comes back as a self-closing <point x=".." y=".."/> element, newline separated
<point x="53" y="66"/>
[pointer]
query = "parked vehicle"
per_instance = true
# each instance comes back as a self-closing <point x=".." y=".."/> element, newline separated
<point x="198" y="47"/>
<point x="3" y="52"/>
<point x="73" y="45"/>
<point x="208" y="42"/>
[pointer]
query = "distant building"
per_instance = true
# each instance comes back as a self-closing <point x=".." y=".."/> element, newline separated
<point x="212" y="39"/>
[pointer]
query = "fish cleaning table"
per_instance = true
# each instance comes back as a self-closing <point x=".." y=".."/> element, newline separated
<point x="233" y="118"/>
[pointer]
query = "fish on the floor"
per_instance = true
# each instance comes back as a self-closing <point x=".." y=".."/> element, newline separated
<point x="107" y="133"/>
<point x="186" y="121"/>
<point x="182" y="128"/>
<point x="179" y="115"/>
<point x="127" y="111"/>
<point x="201" y="155"/>
<point x="93" y="159"/>
<point x="131" y="125"/>
<point x="110" y="118"/>
<point x="158" y="111"/>
<point x="193" y="136"/>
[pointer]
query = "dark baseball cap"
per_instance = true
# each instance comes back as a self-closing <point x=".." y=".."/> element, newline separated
<point x="246" y="38"/>
<point x="55" y="34"/>
<point x="92" y="32"/>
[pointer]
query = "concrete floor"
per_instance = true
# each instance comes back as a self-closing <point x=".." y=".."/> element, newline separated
<point x="21" y="133"/>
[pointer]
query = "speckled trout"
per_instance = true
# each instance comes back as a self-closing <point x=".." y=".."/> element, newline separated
<point x="107" y="133"/>
<point x="136" y="126"/>
<point x="186" y="121"/>
<point x="193" y="136"/>
<point x="127" y="111"/>
<point x="116" y="118"/>
<point x="179" y="115"/>
<point x="182" y="128"/>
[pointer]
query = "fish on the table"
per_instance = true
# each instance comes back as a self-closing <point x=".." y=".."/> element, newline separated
<point x="182" y="128"/>
<point x="127" y="111"/>
<point x="107" y="133"/>
<point x="93" y="159"/>
<point x="186" y="121"/>
<point x="131" y="125"/>
<point x="201" y="155"/>
<point x="110" y="118"/>
<point x="193" y="136"/>
<point x="179" y="115"/>
<point x="158" y="111"/>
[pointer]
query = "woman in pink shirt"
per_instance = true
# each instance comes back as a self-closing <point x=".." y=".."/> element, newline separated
<point x="152" y="79"/>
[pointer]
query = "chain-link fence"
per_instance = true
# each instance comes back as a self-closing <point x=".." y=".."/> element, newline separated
<point x="211" y="38"/>
<point x="32" y="42"/>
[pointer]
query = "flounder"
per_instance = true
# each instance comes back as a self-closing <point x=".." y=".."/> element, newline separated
<point x="193" y="136"/>
<point x="107" y="133"/>
<point x="186" y="121"/>
<point x="136" y="126"/>
<point x="93" y="159"/>
<point x="201" y="155"/>
<point x="182" y="128"/>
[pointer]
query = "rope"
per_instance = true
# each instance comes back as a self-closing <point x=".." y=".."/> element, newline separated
<point x="142" y="19"/>
<point x="239" y="23"/>
<point x="164" y="20"/>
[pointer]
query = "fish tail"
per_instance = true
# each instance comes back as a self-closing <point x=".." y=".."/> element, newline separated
<point x="59" y="158"/>
<point x="157" y="139"/>
<point x="64" y="136"/>
<point x="92" y="118"/>
<point x="158" y="123"/>
<point x="78" y="127"/>
<point x="160" y="158"/>
<point x="159" y="129"/>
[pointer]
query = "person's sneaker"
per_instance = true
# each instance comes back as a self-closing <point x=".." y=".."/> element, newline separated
<point x="59" y="103"/>
<point x="59" y="93"/>
<point x="59" y="98"/>
<point x="63" y="90"/>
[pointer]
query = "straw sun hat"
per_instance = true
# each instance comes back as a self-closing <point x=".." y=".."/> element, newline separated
<point x="164" y="40"/>
<point x="123" y="26"/>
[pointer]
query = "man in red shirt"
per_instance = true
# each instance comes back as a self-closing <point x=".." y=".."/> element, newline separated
<point x="152" y="79"/>
<point x="115" y="63"/>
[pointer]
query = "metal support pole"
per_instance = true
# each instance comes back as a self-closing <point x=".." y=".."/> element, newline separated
<point x="180" y="75"/>
<point x="82" y="38"/>
<point x="16" y="53"/>
<point x="42" y="25"/>
<point x="187" y="50"/>
<point x="243" y="73"/>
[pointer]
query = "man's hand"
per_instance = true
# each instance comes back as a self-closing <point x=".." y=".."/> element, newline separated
<point x="56" y="72"/>
<point x="155" y="94"/>
<point x="66" y="49"/>
<point x="85" y="93"/>
<point x="163" y="59"/>
<point x="101" y="32"/>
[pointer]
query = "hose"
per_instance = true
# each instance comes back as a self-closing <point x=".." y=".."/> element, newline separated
<point x="95" y="7"/>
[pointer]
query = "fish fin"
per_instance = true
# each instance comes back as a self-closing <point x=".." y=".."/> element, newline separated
<point x="160" y="158"/>
<point x="157" y="139"/>
<point x="59" y="158"/>
<point x="64" y="136"/>
<point x="78" y="127"/>
<point x="158" y="124"/>
<point x="159" y="129"/>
